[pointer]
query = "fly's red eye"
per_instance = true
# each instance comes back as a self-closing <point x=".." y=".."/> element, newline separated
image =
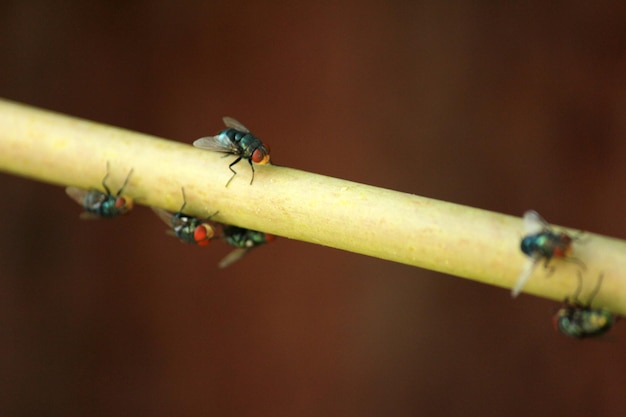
<point x="269" y="238"/>
<point x="257" y="156"/>
<point x="123" y="204"/>
<point x="261" y="156"/>
<point x="202" y="235"/>
<point x="120" y="203"/>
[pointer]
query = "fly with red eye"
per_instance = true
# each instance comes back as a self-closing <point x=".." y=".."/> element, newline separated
<point x="98" y="204"/>
<point x="578" y="320"/>
<point x="236" y="140"/>
<point x="542" y="243"/>
<point x="189" y="229"/>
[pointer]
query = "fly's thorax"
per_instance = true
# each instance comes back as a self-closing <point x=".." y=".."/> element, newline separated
<point x="234" y="135"/>
<point x="184" y="232"/>
<point x="537" y="244"/>
<point x="564" y="323"/>
<point x="529" y="244"/>
<point x="105" y="205"/>
<point x="569" y="320"/>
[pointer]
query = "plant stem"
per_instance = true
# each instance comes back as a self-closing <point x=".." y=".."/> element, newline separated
<point x="445" y="237"/>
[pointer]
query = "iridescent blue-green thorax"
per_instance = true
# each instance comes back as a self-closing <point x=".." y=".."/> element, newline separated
<point x="577" y="321"/>
<point x="104" y="205"/>
<point x="246" y="141"/>
<point x="185" y="227"/>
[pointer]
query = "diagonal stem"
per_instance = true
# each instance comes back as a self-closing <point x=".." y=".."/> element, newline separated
<point x="445" y="237"/>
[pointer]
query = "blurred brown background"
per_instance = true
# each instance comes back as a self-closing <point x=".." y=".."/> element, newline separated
<point x="500" y="106"/>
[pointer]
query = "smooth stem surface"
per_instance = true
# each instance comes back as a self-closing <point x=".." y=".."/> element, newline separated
<point x="449" y="238"/>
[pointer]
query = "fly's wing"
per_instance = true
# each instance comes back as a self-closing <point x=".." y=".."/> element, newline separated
<point x="76" y="194"/>
<point x="167" y="218"/>
<point x="523" y="277"/>
<point x="171" y="232"/>
<point x="164" y="215"/>
<point x="534" y="223"/>
<point x="217" y="143"/>
<point x="233" y="257"/>
<point x="230" y="122"/>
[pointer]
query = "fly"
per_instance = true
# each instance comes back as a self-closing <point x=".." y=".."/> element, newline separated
<point x="189" y="229"/>
<point x="101" y="205"/>
<point x="575" y="319"/>
<point x="244" y="240"/>
<point x="236" y="140"/>
<point x="541" y="243"/>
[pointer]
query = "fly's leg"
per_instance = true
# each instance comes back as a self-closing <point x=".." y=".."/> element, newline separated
<point x="550" y="269"/>
<point x="233" y="171"/>
<point x="184" y="200"/>
<point x="251" y="166"/>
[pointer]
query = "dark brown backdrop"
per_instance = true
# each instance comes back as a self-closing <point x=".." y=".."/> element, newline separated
<point x="503" y="107"/>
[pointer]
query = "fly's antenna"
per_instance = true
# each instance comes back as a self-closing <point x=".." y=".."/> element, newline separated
<point x="184" y="200"/>
<point x="125" y="181"/>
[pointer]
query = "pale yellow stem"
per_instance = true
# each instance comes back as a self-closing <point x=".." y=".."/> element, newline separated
<point x="445" y="237"/>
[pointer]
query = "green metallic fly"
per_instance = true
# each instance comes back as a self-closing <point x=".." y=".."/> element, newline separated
<point x="542" y="243"/>
<point x="98" y="204"/>
<point x="243" y="240"/>
<point x="578" y="320"/>
<point x="236" y="140"/>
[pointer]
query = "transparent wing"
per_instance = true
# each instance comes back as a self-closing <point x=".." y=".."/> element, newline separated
<point x="76" y="194"/>
<point x="230" y="122"/>
<point x="233" y="257"/>
<point x="523" y="277"/>
<point x="217" y="143"/>
<point x="534" y="223"/>
<point x="164" y="215"/>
